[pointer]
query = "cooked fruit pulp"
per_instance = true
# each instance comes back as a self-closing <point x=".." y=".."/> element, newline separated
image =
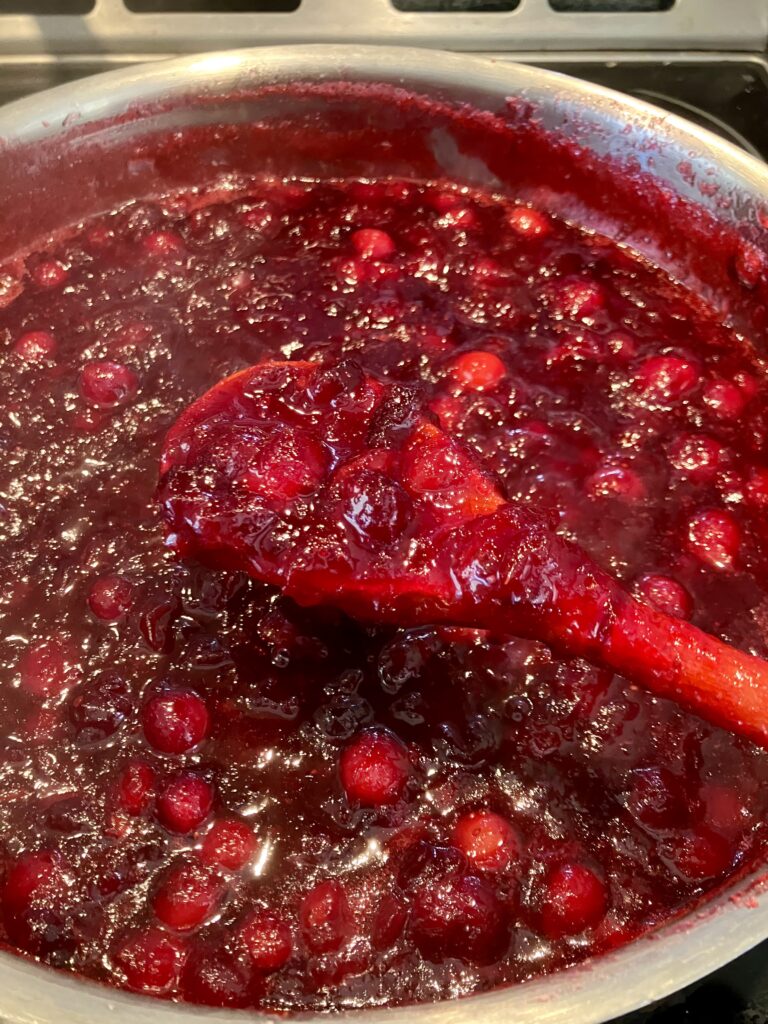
<point x="210" y="794"/>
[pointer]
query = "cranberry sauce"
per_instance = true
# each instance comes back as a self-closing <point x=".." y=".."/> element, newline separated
<point x="210" y="794"/>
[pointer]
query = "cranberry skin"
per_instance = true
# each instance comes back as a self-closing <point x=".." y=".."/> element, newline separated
<point x="110" y="598"/>
<point x="372" y="244"/>
<point x="49" y="667"/>
<point x="175" y="723"/>
<point x="267" y="940"/>
<point x="617" y="482"/>
<point x="573" y="900"/>
<point x="726" y="400"/>
<point x="33" y="897"/>
<point x="107" y="385"/>
<point x="136" y="787"/>
<point x="325" y="917"/>
<point x="658" y="799"/>
<point x="714" y="537"/>
<point x="665" y="594"/>
<point x="459" y="917"/>
<point x="477" y="371"/>
<point x="184" y="802"/>
<point x="488" y="841"/>
<point x="229" y="844"/>
<point x="35" y="346"/>
<point x="186" y="895"/>
<point x="376" y="507"/>
<point x="528" y="223"/>
<point x="290" y="464"/>
<point x="668" y="379"/>
<point x="374" y="769"/>
<point x="150" y="959"/>
<point x="163" y="244"/>
<point x="213" y="977"/>
<point x="388" y="922"/>
<point x="100" y="706"/>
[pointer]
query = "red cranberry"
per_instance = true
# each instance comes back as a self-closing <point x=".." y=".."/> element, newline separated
<point x="376" y="507"/>
<point x="49" y="667"/>
<point x="374" y="769"/>
<point x="107" y="385"/>
<point x="388" y="921"/>
<point x="110" y="597"/>
<point x="229" y="844"/>
<point x="50" y="274"/>
<point x="573" y="899"/>
<point x="699" y="854"/>
<point x="33" y="876"/>
<point x="667" y="379"/>
<point x="184" y="802"/>
<point x="725" y="808"/>
<point x="292" y="462"/>
<point x="698" y="456"/>
<point x="150" y="959"/>
<point x="100" y="706"/>
<point x="213" y="977"/>
<point x="461" y="217"/>
<point x="714" y="537"/>
<point x="163" y="244"/>
<point x="34" y="904"/>
<point x="136" y="787"/>
<point x="186" y="895"/>
<point x="326" y="918"/>
<point x="658" y="799"/>
<point x="459" y="917"/>
<point x="372" y="244"/>
<point x="487" y="840"/>
<point x="578" y="299"/>
<point x="477" y="371"/>
<point x="528" y="223"/>
<point x="666" y="594"/>
<point x="726" y="400"/>
<point x="619" y="482"/>
<point x="175" y="722"/>
<point x="35" y="346"/>
<point x="267" y="940"/>
<point x="757" y="487"/>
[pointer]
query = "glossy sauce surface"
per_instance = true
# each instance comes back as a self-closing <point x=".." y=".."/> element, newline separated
<point x="209" y="794"/>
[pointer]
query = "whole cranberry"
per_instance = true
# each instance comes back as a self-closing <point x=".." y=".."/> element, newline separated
<point x="213" y="976"/>
<point x="374" y="768"/>
<point x="186" y="895"/>
<point x="573" y="899"/>
<point x="136" y="787"/>
<point x="175" y="722"/>
<point x="477" y="371"/>
<point x="666" y="594"/>
<point x="267" y="940"/>
<point x="107" y="385"/>
<point x="229" y="844"/>
<point x="668" y="379"/>
<point x="461" y="917"/>
<point x="35" y="346"/>
<point x="150" y="959"/>
<point x="110" y="597"/>
<point x="488" y="841"/>
<point x="714" y="537"/>
<point x="50" y="666"/>
<point x="184" y="802"/>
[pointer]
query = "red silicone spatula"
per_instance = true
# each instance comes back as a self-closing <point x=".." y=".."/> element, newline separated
<point x="338" y="488"/>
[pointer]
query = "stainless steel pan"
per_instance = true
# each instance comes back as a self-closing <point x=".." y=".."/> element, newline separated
<point x="81" y="148"/>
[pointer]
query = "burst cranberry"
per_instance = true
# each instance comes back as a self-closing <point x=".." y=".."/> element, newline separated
<point x="108" y="385"/>
<point x="372" y="244"/>
<point x="326" y="918"/>
<point x="388" y="921"/>
<point x="374" y="769"/>
<point x="461" y="217"/>
<point x="757" y="487"/>
<point x="184" y="802"/>
<point x="34" y="903"/>
<point x="163" y="244"/>
<point x="291" y="463"/>
<point x="668" y="379"/>
<point x="136" y="787"/>
<point x="267" y="940"/>
<point x="229" y="844"/>
<point x="459" y="917"/>
<point x="213" y="977"/>
<point x="377" y="508"/>
<point x="578" y="299"/>
<point x="487" y="840"/>
<point x="100" y="706"/>
<point x="35" y="346"/>
<point x="477" y="371"/>
<point x="666" y="594"/>
<point x="49" y="667"/>
<point x="150" y="959"/>
<point x="186" y="895"/>
<point x="573" y="899"/>
<point x="715" y="538"/>
<point x="175" y="722"/>
<point x="698" y="456"/>
<point x="110" y="597"/>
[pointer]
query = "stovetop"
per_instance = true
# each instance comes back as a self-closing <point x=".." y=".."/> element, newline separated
<point x="727" y="93"/>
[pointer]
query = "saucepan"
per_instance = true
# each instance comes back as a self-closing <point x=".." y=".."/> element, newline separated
<point x="692" y="203"/>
